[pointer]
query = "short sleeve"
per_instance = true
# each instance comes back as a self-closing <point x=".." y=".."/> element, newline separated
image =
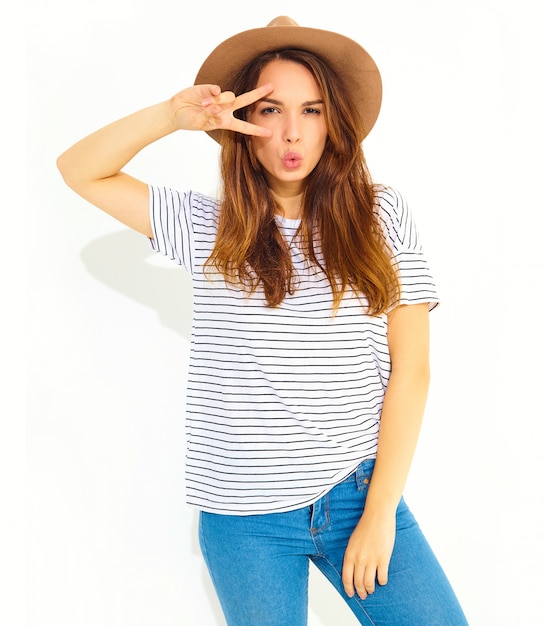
<point x="171" y="220"/>
<point x="417" y="285"/>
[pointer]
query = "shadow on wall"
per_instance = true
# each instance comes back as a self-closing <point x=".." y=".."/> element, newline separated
<point x="125" y="262"/>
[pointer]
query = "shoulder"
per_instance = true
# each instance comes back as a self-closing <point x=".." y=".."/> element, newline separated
<point x="189" y="202"/>
<point x="391" y="207"/>
<point x="203" y="207"/>
<point x="395" y="217"/>
<point x="202" y="201"/>
<point x="389" y="202"/>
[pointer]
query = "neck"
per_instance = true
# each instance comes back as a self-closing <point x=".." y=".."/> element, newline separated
<point x="291" y="215"/>
<point x="289" y="206"/>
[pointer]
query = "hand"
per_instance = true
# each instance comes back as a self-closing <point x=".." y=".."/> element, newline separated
<point x="206" y="107"/>
<point x="368" y="554"/>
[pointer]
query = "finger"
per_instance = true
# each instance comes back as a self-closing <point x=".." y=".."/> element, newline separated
<point x="383" y="574"/>
<point x="369" y="579"/>
<point x="250" y="129"/>
<point x="219" y="109"/>
<point x="215" y="118"/>
<point x="209" y="91"/>
<point x="347" y="578"/>
<point x="222" y="98"/>
<point x="252" y="96"/>
<point x="246" y="99"/>
<point x="360" y="582"/>
<point x="228" y="98"/>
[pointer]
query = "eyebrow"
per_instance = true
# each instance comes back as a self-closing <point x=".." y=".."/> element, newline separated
<point x="308" y="103"/>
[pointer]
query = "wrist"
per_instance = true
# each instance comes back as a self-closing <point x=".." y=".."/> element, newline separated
<point x="165" y="120"/>
<point x="380" y="502"/>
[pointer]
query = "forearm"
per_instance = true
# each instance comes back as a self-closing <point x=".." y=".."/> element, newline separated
<point x="93" y="166"/>
<point x="370" y="547"/>
<point x="403" y="406"/>
<point x="401" y="421"/>
<point x="105" y="152"/>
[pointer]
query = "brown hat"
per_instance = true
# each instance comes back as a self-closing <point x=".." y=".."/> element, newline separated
<point x="354" y="66"/>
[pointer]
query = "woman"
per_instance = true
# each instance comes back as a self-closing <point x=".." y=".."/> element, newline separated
<point x="309" y="365"/>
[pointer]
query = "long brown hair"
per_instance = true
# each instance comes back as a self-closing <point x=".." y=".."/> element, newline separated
<point x="339" y="222"/>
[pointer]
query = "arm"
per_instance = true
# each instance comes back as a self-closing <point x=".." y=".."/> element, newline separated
<point x="93" y="166"/>
<point x="370" y="547"/>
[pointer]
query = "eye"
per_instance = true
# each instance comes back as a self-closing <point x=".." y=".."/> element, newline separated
<point x="312" y="111"/>
<point x="269" y="110"/>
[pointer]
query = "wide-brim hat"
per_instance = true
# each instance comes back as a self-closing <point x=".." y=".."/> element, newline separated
<point x="354" y="66"/>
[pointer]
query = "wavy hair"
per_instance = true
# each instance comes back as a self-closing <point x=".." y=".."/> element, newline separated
<point x="339" y="230"/>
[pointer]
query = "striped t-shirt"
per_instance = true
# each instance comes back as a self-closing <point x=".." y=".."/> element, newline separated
<point x="284" y="402"/>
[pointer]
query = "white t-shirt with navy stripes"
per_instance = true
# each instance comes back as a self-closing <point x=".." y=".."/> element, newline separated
<point x="282" y="403"/>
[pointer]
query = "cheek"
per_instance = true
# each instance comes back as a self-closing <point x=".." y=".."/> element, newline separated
<point x="320" y="145"/>
<point x="324" y="136"/>
<point x="261" y="146"/>
<point x="255" y="152"/>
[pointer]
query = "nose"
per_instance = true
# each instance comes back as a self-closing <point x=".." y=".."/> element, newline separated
<point x="292" y="131"/>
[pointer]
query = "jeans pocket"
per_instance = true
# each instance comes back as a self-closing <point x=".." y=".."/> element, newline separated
<point x="363" y="474"/>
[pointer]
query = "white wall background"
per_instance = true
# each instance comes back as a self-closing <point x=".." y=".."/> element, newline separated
<point x="461" y="134"/>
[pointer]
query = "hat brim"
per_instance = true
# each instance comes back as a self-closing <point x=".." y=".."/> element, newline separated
<point x="354" y="66"/>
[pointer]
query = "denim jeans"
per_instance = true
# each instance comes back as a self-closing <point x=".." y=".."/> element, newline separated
<point x="259" y="564"/>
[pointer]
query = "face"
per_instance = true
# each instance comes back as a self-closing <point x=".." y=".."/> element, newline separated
<point x="294" y="112"/>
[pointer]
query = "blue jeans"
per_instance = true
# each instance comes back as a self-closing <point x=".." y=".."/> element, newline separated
<point x="259" y="564"/>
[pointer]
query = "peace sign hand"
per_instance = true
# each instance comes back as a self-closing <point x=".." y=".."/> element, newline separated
<point x="206" y="107"/>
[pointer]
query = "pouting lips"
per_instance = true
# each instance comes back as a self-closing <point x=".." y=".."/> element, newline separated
<point x="292" y="160"/>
